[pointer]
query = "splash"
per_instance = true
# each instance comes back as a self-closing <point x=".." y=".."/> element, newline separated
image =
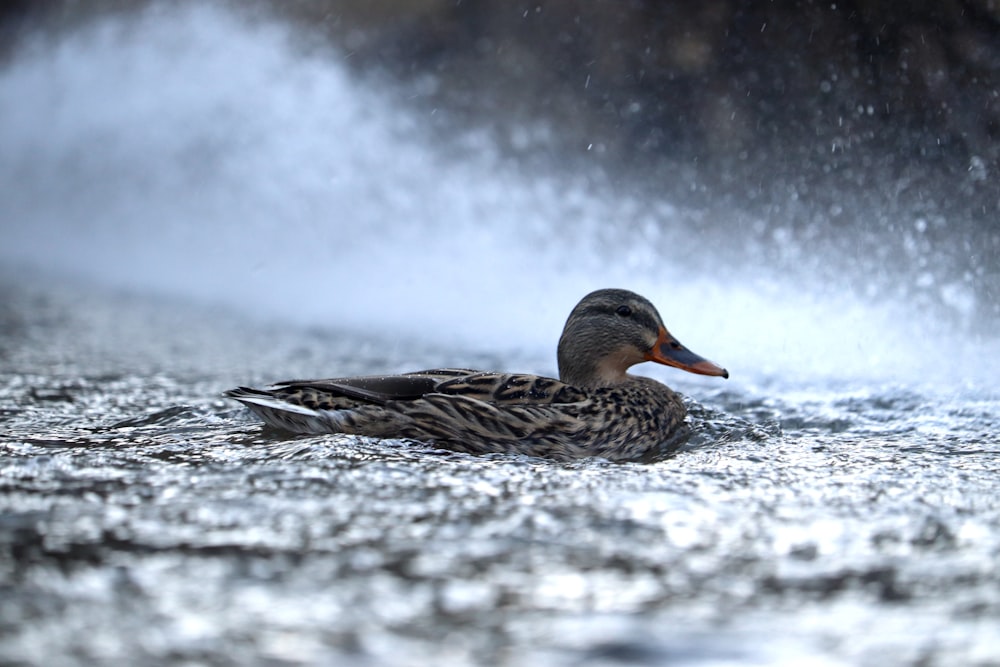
<point x="191" y="152"/>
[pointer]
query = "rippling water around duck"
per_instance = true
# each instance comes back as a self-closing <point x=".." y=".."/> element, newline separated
<point x="146" y="521"/>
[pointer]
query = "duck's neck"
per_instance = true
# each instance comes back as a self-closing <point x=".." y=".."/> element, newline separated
<point x="606" y="373"/>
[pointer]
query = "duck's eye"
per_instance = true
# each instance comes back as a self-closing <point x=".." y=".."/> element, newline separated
<point x="624" y="311"/>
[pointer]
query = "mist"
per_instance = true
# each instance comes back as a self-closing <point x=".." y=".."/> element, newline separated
<point x="202" y="153"/>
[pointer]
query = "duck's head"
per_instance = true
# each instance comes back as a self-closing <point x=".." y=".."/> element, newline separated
<point x="611" y="330"/>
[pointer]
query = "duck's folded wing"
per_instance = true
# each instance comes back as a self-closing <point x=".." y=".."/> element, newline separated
<point x="377" y="389"/>
<point x="502" y="389"/>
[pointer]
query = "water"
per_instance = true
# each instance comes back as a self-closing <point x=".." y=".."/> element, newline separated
<point x="260" y="213"/>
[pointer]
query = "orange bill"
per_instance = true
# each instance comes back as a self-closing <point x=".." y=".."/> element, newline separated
<point x="667" y="350"/>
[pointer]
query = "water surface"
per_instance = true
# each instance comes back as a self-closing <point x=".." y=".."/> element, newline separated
<point x="147" y="521"/>
<point x="261" y="214"/>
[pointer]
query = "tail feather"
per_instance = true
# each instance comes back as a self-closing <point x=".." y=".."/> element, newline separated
<point x="281" y="414"/>
<point x="253" y="397"/>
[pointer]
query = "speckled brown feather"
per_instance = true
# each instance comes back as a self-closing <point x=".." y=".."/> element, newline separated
<point x="608" y="413"/>
<point x="490" y="412"/>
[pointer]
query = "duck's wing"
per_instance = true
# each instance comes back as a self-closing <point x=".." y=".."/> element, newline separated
<point x="376" y="389"/>
<point x="501" y="389"/>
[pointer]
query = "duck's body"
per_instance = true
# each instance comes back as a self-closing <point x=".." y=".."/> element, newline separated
<point x="595" y="409"/>
<point x="476" y="412"/>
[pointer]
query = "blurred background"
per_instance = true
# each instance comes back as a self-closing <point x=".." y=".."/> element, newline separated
<point x="796" y="166"/>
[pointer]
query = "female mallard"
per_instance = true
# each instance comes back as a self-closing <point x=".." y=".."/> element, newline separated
<point x="595" y="408"/>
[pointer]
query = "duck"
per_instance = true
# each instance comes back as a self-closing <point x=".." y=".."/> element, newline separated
<point x="594" y="409"/>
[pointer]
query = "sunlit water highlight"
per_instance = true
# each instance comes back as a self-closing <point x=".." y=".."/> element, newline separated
<point x="837" y="497"/>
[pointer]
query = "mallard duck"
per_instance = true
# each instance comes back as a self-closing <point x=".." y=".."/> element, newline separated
<point x="595" y="408"/>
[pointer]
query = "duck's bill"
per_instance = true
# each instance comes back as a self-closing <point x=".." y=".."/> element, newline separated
<point x="669" y="351"/>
